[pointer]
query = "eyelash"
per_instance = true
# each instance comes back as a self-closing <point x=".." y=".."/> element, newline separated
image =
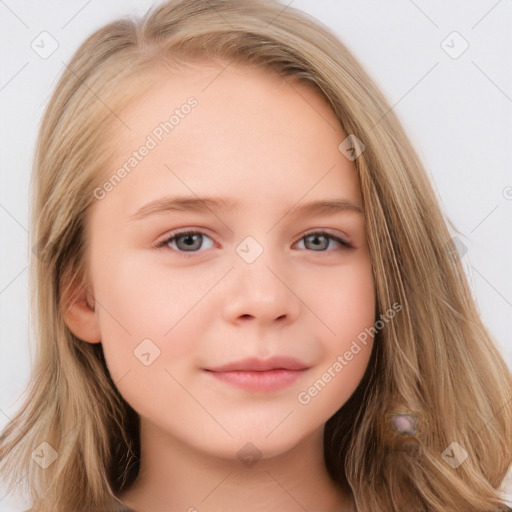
<point x="187" y="254"/>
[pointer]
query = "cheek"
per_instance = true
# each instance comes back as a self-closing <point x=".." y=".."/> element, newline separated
<point x="138" y="302"/>
<point x="145" y="298"/>
<point x="345" y="301"/>
<point x="346" y="307"/>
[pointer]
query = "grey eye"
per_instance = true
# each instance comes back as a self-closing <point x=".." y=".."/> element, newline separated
<point x="190" y="241"/>
<point x="319" y="241"/>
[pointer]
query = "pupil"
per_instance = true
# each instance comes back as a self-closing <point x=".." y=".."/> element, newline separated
<point x="315" y="239"/>
<point x="187" y="241"/>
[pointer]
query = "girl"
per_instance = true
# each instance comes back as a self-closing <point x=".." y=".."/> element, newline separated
<point x="247" y="297"/>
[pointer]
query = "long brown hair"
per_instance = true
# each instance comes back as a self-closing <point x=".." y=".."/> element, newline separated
<point x="435" y="362"/>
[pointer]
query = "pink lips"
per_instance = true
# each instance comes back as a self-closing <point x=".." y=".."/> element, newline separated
<point x="255" y="374"/>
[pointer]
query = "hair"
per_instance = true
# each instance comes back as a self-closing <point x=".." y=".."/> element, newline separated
<point x="435" y="361"/>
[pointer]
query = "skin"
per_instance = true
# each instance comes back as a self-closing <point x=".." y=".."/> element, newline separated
<point x="272" y="153"/>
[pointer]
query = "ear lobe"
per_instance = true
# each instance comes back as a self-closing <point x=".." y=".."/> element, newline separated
<point x="79" y="314"/>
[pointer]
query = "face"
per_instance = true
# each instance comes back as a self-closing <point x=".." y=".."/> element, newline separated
<point x="258" y="277"/>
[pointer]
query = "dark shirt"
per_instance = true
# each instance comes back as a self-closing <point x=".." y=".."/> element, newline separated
<point x="131" y="510"/>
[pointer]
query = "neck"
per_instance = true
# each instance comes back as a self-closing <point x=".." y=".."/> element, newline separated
<point x="175" y="476"/>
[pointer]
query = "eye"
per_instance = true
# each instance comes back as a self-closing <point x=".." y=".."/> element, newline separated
<point x="314" y="239"/>
<point x="188" y="242"/>
<point x="184" y="241"/>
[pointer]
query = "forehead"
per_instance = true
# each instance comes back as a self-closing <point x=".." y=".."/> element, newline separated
<point x="237" y="91"/>
<point x="250" y="131"/>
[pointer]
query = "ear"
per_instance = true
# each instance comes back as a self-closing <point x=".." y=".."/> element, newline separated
<point x="79" y="312"/>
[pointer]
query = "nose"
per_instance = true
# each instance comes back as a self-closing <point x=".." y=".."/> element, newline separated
<point x="261" y="292"/>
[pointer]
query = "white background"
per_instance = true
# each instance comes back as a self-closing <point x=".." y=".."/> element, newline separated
<point x="457" y="112"/>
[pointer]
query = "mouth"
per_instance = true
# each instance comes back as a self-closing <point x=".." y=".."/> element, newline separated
<point x="257" y="375"/>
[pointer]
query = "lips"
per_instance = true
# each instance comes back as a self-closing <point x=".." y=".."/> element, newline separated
<point x="261" y="365"/>
<point x="260" y="375"/>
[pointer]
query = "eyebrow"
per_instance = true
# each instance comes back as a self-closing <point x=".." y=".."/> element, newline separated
<point x="216" y="204"/>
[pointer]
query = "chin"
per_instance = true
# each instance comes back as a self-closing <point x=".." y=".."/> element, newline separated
<point x="252" y="445"/>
